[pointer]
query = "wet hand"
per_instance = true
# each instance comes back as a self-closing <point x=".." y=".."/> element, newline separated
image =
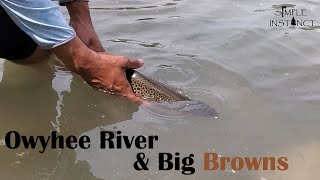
<point x="106" y="73"/>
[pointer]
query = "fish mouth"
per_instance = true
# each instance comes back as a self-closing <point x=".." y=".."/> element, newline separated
<point x="129" y="74"/>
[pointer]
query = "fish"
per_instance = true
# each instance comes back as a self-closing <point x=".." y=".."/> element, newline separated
<point x="166" y="97"/>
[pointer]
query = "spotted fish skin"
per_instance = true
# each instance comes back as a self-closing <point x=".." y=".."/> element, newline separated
<point x="152" y="90"/>
<point x="167" y="98"/>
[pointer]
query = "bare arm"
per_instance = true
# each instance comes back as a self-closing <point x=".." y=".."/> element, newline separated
<point x="104" y="72"/>
<point x="80" y="20"/>
<point x="44" y="23"/>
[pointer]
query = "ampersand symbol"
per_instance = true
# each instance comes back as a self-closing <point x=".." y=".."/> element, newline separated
<point x="140" y="161"/>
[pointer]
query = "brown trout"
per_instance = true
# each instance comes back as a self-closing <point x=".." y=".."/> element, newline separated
<point x="152" y="90"/>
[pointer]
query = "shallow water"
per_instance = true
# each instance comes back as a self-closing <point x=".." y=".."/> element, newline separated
<point x="264" y="82"/>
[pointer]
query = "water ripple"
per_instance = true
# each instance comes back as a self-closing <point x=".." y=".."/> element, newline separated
<point x="134" y="7"/>
<point x="145" y="19"/>
<point x="144" y="44"/>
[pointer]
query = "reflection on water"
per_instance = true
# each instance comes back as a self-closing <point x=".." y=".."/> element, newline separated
<point x="263" y="81"/>
<point x="61" y="83"/>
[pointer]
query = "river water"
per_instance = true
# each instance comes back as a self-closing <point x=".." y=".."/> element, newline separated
<point x="264" y="82"/>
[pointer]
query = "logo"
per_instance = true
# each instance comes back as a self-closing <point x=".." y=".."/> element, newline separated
<point x="288" y="16"/>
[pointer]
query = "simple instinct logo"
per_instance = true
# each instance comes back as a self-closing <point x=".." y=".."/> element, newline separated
<point x="291" y="17"/>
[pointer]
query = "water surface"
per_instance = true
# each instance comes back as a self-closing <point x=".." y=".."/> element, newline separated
<point x="264" y="82"/>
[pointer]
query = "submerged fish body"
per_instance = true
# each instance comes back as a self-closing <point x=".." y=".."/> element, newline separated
<point x="152" y="90"/>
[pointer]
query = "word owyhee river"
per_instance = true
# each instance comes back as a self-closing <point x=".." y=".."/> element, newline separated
<point x="108" y="139"/>
<point x="166" y="160"/>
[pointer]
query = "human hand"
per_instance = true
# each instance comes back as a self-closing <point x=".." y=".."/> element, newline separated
<point x="106" y="73"/>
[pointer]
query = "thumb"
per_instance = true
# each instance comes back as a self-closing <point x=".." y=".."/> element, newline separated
<point x="133" y="63"/>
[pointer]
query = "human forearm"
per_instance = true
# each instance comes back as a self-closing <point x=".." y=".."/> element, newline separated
<point x="104" y="72"/>
<point x="43" y="22"/>
<point x="73" y="54"/>
<point x="79" y="11"/>
<point x="80" y="20"/>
